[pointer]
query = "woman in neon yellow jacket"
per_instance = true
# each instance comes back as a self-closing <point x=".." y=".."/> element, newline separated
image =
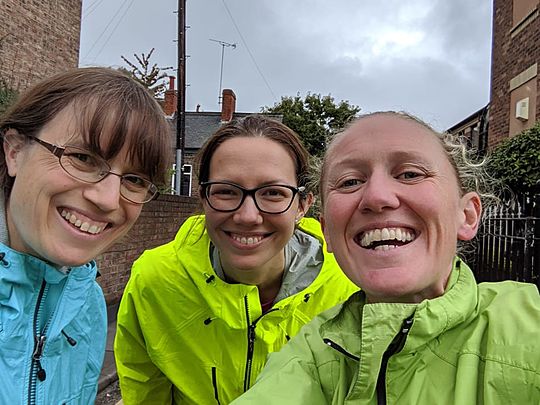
<point x="200" y="314"/>
<point x="421" y="331"/>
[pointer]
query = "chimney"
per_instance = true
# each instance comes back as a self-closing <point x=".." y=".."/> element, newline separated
<point x="169" y="105"/>
<point x="228" y="105"/>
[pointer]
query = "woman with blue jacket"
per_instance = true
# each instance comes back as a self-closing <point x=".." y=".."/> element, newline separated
<point x="82" y="151"/>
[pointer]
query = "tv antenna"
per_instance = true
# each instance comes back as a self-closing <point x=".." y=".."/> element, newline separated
<point x="223" y="45"/>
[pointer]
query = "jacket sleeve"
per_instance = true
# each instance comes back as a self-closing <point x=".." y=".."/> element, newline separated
<point x="290" y="377"/>
<point x="141" y="382"/>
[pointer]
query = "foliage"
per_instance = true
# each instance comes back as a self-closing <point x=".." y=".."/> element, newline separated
<point x="149" y="75"/>
<point x="516" y="161"/>
<point x="7" y="96"/>
<point x="314" y="118"/>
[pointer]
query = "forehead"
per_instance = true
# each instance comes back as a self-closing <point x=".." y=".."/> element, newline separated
<point x="246" y="156"/>
<point x="387" y="137"/>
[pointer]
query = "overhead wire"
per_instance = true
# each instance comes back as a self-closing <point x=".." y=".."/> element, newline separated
<point x="115" y="27"/>
<point x="249" y="51"/>
<point x="90" y="9"/>
<point x="107" y="27"/>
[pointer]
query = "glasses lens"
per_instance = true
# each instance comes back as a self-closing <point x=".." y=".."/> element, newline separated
<point x="83" y="165"/>
<point x="223" y="197"/>
<point x="136" y="189"/>
<point x="274" y="199"/>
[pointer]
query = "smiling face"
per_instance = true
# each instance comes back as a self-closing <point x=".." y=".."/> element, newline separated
<point x="393" y="210"/>
<point x="251" y="243"/>
<point x="55" y="217"/>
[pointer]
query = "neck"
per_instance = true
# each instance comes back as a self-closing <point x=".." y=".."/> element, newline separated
<point x="267" y="277"/>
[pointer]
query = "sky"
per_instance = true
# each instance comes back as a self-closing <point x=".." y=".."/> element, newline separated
<point x="430" y="58"/>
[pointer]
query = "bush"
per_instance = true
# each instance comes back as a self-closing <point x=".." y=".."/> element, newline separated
<point x="516" y="161"/>
<point x="7" y="97"/>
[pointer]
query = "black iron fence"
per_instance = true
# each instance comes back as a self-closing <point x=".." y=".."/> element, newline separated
<point x="508" y="243"/>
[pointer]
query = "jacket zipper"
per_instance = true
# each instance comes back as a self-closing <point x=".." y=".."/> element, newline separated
<point x="251" y="342"/>
<point x="340" y="349"/>
<point x="36" y="371"/>
<point x="214" y="383"/>
<point x="395" y="347"/>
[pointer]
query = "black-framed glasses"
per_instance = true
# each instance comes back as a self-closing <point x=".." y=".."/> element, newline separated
<point x="228" y="197"/>
<point x="90" y="168"/>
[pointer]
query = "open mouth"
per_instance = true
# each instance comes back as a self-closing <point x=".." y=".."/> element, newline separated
<point x="385" y="238"/>
<point x="83" y="224"/>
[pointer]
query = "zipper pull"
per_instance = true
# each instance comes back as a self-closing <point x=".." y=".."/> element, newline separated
<point x="38" y="352"/>
<point x="251" y="337"/>
<point x="69" y="339"/>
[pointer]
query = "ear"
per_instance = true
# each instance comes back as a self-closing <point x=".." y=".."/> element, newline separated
<point x="304" y="205"/>
<point x="13" y="142"/>
<point x="326" y="238"/>
<point x="471" y="207"/>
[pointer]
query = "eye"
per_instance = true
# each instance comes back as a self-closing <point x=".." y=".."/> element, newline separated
<point x="411" y="174"/>
<point x="82" y="160"/>
<point x="135" y="181"/>
<point x="274" y="193"/>
<point x="223" y="191"/>
<point x="350" y="183"/>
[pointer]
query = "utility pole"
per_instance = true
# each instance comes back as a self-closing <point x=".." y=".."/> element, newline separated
<point x="223" y="45"/>
<point x="181" y="99"/>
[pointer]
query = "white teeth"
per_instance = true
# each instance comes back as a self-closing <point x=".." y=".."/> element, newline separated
<point x="386" y="234"/>
<point x="250" y="240"/>
<point x="83" y="226"/>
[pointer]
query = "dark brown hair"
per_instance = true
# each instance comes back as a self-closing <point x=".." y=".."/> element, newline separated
<point x="110" y="110"/>
<point x="256" y="126"/>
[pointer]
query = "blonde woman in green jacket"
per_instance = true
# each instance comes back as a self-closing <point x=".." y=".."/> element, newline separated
<point x="200" y="314"/>
<point x="421" y="331"/>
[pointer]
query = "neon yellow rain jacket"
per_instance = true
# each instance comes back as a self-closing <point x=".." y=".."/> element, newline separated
<point x="185" y="336"/>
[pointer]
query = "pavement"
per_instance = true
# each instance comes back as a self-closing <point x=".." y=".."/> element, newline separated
<point x="108" y="372"/>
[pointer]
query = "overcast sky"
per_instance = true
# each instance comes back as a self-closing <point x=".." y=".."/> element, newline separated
<point x="427" y="57"/>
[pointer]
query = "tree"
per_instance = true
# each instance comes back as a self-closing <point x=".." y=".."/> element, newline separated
<point x="314" y="118"/>
<point x="516" y="161"/>
<point x="149" y="75"/>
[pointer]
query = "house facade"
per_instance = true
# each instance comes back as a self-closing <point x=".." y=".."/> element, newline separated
<point x="515" y="92"/>
<point x="38" y="39"/>
<point x="199" y="126"/>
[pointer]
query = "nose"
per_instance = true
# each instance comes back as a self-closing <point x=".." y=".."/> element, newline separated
<point x="105" y="194"/>
<point x="248" y="213"/>
<point x="379" y="193"/>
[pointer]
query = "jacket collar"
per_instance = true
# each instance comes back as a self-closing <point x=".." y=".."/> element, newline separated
<point x="367" y="329"/>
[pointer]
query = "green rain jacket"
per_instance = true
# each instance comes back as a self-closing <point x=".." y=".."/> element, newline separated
<point x="476" y="344"/>
<point x="185" y="336"/>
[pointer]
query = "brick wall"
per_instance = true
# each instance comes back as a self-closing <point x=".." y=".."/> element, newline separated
<point x="158" y="224"/>
<point x="38" y="38"/>
<point x="515" y="48"/>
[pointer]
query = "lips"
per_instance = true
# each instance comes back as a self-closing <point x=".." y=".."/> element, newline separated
<point x="83" y="224"/>
<point x="385" y="238"/>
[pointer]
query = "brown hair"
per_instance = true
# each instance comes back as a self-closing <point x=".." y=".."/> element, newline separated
<point x="111" y="110"/>
<point x="256" y="126"/>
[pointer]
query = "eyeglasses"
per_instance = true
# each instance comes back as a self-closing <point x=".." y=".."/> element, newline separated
<point x="270" y="199"/>
<point x="85" y="166"/>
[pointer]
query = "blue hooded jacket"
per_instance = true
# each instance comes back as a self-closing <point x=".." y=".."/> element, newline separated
<point x="52" y="331"/>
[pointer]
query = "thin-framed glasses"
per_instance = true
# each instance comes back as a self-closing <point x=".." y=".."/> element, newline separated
<point x="228" y="197"/>
<point x="90" y="168"/>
